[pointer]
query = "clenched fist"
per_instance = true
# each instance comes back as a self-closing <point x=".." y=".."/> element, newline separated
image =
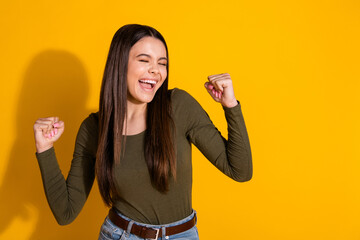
<point x="47" y="131"/>
<point x="221" y="89"/>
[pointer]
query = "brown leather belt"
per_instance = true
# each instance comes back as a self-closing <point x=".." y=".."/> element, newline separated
<point x="149" y="233"/>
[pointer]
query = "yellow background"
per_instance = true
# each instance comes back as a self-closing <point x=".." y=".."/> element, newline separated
<point x="295" y="68"/>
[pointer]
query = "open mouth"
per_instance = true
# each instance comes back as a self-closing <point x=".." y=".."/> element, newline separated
<point x="147" y="84"/>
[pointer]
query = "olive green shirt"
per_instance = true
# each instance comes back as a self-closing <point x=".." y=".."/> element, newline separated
<point x="139" y="200"/>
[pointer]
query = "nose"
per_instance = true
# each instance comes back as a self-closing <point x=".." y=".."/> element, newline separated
<point x="154" y="69"/>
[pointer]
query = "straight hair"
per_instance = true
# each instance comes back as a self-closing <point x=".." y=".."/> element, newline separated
<point x="159" y="134"/>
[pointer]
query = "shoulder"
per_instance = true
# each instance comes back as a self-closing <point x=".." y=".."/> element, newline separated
<point x="92" y="121"/>
<point x="89" y="126"/>
<point x="87" y="137"/>
<point x="181" y="97"/>
<point x="184" y="106"/>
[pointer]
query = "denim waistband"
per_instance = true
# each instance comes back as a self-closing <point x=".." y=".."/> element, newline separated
<point x="186" y="219"/>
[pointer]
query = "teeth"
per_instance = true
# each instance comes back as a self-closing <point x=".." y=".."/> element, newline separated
<point x="148" y="81"/>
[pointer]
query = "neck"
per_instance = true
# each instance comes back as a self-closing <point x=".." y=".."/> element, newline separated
<point x="135" y="110"/>
<point x="135" y="121"/>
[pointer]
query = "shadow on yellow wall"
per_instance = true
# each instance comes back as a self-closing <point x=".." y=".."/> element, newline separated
<point x="54" y="84"/>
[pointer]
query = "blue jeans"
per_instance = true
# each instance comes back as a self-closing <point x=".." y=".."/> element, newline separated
<point x="109" y="231"/>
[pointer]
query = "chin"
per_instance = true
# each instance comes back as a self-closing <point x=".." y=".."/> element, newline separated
<point x="141" y="98"/>
<point x="148" y="100"/>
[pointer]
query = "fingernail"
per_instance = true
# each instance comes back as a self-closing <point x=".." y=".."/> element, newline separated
<point x="56" y="124"/>
<point x="56" y="131"/>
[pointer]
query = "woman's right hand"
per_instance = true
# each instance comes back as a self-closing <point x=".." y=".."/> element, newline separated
<point x="47" y="131"/>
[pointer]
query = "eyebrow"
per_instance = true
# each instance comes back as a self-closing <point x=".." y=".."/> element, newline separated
<point x="147" y="55"/>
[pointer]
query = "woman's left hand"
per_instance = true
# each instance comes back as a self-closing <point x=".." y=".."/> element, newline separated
<point x="221" y="89"/>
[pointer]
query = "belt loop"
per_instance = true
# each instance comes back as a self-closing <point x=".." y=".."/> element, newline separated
<point x="163" y="230"/>
<point x="128" y="230"/>
<point x="195" y="217"/>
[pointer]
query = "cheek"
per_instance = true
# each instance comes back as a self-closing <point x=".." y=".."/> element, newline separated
<point x="130" y="71"/>
<point x="135" y="68"/>
<point x="133" y="72"/>
<point x="164" y="74"/>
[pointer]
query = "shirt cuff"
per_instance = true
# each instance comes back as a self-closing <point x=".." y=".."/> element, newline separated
<point x="45" y="154"/>
<point x="233" y="110"/>
<point x="47" y="160"/>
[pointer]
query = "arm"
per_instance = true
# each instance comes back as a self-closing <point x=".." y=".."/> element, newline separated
<point x="67" y="197"/>
<point x="232" y="156"/>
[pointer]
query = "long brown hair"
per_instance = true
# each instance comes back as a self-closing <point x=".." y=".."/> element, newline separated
<point x="159" y="134"/>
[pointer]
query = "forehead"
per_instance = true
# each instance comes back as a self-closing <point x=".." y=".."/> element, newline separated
<point x="149" y="45"/>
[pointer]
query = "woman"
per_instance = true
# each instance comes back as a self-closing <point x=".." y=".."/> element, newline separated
<point x="139" y="144"/>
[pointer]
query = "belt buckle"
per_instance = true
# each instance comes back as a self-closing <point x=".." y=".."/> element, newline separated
<point x="157" y="234"/>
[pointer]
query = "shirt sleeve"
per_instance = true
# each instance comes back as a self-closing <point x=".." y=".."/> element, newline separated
<point x="67" y="197"/>
<point x="231" y="156"/>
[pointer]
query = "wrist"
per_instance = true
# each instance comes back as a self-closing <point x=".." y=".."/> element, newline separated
<point x="43" y="148"/>
<point x="231" y="104"/>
